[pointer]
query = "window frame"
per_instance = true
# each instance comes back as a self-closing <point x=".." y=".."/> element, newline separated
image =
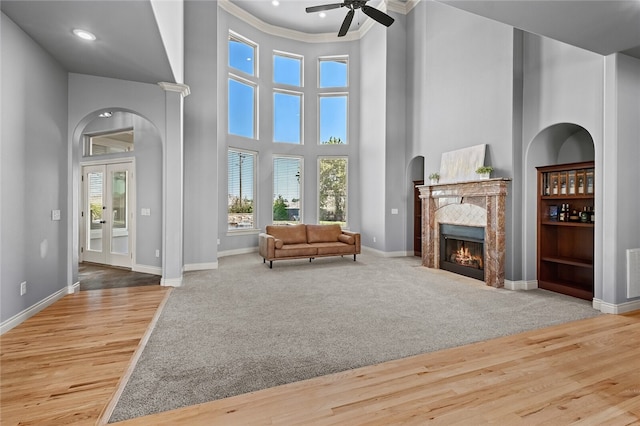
<point x="255" y="193"/>
<point x="300" y="159"/>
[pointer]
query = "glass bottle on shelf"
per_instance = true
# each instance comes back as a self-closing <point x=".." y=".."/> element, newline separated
<point x="590" y="183"/>
<point x="572" y="182"/>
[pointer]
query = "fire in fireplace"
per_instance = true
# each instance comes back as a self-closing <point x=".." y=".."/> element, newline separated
<point x="462" y="250"/>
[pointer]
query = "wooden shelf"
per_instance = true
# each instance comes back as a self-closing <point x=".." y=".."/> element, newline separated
<point x="558" y="223"/>
<point x="580" y="263"/>
<point x="565" y="249"/>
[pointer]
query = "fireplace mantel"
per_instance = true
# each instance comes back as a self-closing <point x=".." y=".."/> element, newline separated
<point x="474" y="203"/>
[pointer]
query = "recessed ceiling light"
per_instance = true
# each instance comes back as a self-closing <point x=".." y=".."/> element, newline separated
<point x="322" y="15"/>
<point x="275" y="2"/>
<point x="83" y="34"/>
<point x="105" y="114"/>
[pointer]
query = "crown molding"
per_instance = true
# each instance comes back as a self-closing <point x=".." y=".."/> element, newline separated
<point x="183" y="89"/>
<point x="259" y="24"/>
<point x="402" y="7"/>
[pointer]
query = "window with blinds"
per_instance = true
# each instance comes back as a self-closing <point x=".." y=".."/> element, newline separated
<point x="241" y="177"/>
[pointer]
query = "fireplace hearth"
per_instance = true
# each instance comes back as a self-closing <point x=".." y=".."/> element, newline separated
<point x="462" y="250"/>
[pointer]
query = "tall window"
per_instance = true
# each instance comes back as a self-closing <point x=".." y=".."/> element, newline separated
<point x="242" y="89"/>
<point x="332" y="190"/>
<point x="241" y="176"/>
<point x="287" y="69"/>
<point x="333" y="72"/>
<point x="287" y="184"/>
<point x="333" y="119"/>
<point x="287" y="117"/>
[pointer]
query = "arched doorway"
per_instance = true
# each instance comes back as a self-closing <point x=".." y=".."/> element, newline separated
<point x="415" y="172"/>
<point x="122" y="139"/>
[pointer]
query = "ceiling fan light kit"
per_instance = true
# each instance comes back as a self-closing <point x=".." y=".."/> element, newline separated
<point x="373" y="13"/>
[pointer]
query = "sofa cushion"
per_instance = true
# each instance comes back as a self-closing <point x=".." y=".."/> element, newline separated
<point x="334" y="248"/>
<point x="296" y="250"/>
<point x="323" y="233"/>
<point x="347" y="239"/>
<point x="289" y="234"/>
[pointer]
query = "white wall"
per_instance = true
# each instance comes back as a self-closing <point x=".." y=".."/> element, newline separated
<point x="201" y="186"/>
<point x="373" y="123"/>
<point x="626" y="149"/>
<point x="170" y="19"/>
<point x="33" y="172"/>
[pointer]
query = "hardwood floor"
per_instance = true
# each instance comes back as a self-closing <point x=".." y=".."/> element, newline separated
<point x="93" y="276"/>
<point x="63" y="366"/>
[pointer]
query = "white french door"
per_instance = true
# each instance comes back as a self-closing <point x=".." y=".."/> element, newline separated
<point x="108" y="214"/>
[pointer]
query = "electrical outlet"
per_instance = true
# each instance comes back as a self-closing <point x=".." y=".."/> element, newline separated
<point x="23" y="288"/>
<point x="157" y="253"/>
<point x="374" y="239"/>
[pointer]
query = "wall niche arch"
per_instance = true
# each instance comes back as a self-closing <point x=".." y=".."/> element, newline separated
<point x="556" y="144"/>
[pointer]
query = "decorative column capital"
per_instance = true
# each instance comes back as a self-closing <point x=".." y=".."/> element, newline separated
<point x="183" y="89"/>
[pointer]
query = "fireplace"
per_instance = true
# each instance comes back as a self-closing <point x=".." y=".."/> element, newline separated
<point x="462" y="250"/>
<point x="469" y="206"/>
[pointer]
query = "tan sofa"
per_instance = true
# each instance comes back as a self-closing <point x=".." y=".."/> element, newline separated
<point x="280" y="242"/>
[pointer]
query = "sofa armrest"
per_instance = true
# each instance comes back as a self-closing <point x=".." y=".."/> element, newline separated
<point x="267" y="246"/>
<point x="356" y="237"/>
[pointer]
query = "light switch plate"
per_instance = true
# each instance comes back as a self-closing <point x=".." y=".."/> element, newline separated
<point x="55" y="214"/>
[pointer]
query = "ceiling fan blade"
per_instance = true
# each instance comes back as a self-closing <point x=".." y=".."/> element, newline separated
<point x="377" y="15"/>
<point x="346" y="23"/>
<point x="323" y="7"/>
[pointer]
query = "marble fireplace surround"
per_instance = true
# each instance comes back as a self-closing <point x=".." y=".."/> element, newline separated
<point x="474" y="203"/>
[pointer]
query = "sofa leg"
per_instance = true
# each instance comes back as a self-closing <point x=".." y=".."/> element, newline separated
<point x="271" y="264"/>
<point x="354" y="257"/>
<point x="309" y="260"/>
<point x="264" y="260"/>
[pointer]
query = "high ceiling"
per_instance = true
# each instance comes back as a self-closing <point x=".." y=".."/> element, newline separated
<point x="291" y="14"/>
<point x="129" y="45"/>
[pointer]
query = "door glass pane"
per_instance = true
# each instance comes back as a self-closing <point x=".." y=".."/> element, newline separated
<point x="94" y="233"/>
<point x="119" y="225"/>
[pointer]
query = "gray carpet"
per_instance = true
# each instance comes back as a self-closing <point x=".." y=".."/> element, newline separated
<point x="244" y="327"/>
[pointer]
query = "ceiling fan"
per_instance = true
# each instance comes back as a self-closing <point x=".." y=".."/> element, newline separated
<point x="352" y="5"/>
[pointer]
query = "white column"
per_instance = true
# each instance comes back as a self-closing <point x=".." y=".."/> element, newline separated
<point x="172" y="184"/>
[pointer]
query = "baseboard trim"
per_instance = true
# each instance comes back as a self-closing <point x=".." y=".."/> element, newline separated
<point x="246" y="250"/>
<point x="146" y="269"/>
<point x="613" y="308"/>
<point x="20" y="317"/>
<point x="171" y="282"/>
<point x="520" y="285"/>
<point x="386" y="253"/>
<point x="200" y="266"/>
